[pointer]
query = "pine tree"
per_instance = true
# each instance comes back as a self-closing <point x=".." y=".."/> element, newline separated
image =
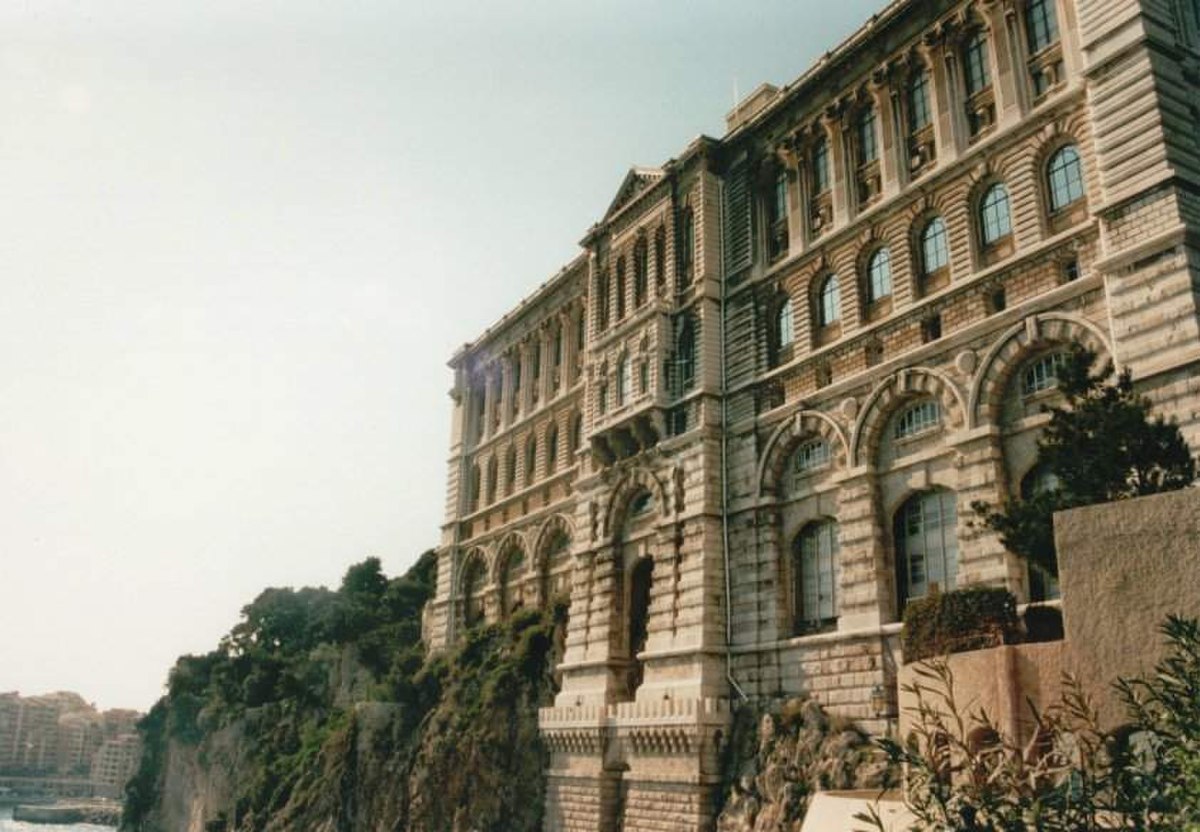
<point x="1101" y="445"/>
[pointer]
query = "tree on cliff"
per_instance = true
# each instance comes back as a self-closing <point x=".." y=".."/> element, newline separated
<point x="1101" y="445"/>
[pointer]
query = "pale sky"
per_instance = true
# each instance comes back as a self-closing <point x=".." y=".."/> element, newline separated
<point x="239" y="240"/>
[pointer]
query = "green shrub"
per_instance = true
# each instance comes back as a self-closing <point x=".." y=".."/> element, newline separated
<point x="958" y="621"/>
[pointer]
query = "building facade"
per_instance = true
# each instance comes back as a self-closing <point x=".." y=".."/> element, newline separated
<point x="746" y="424"/>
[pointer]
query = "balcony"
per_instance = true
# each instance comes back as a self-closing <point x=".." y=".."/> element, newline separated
<point x="629" y="429"/>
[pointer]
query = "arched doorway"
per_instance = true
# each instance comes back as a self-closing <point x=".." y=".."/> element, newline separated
<point x="635" y="547"/>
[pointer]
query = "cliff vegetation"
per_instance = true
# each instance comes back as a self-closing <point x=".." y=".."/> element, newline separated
<point x="321" y="711"/>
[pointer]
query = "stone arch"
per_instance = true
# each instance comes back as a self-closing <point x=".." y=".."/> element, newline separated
<point x="787" y="436"/>
<point x="896" y="388"/>
<point x="511" y="570"/>
<point x="1010" y="350"/>
<point x="556" y="528"/>
<point x="503" y="550"/>
<point x="472" y="583"/>
<point x="634" y="483"/>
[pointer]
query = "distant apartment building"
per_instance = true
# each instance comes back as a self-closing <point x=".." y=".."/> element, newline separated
<point x="745" y="425"/>
<point x="61" y="735"/>
<point x="115" y="762"/>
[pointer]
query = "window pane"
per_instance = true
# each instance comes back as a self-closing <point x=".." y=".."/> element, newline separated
<point x="995" y="221"/>
<point x="919" y="418"/>
<point x="975" y="59"/>
<point x="785" y="324"/>
<point x="1042" y="374"/>
<point x="918" y="101"/>
<point x="821" y="167"/>
<point x="879" y="277"/>
<point x="927" y="543"/>
<point x="1065" y="174"/>
<point x="868" y="149"/>
<point x="818" y="573"/>
<point x="935" y="248"/>
<point x="1041" y="22"/>
<point x="830" y="302"/>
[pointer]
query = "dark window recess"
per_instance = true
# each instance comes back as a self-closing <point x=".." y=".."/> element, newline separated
<point x="874" y="353"/>
<point x="931" y="328"/>
<point x="824" y="375"/>
<point x="997" y="301"/>
<point x="1071" y="270"/>
<point x="679" y="420"/>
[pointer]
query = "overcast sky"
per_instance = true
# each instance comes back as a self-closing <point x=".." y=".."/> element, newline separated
<point x="239" y="239"/>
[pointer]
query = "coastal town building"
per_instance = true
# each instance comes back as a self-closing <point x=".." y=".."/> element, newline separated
<point x="745" y="425"/>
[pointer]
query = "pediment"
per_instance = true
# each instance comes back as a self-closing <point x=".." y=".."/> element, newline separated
<point x="637" y="180"/>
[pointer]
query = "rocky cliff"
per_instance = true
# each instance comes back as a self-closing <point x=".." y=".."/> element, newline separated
<point x="321" y="713"/>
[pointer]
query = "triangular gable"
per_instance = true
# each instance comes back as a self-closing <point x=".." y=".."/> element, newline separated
<point x="636" y="181"/>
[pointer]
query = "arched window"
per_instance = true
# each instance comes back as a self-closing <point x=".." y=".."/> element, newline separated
<point x="641" y="581"/>
<point x="811" y="456"/>
<point x="474" y="576"/>
<point x="621" y="286"/>
<point x="1042" y="373"/>
<point x="1043" y="586"/>
<point x="1064" y="178"/>
<point x="492" y="476"/>
<point x="815" y="554"/>
<point x="868" y="144"/>
<point x="926" y="533"/>
<point x="820" y="166"/>
<point x="473" y="488"/>
<point x="976" y="72"/>
<point x="660" y="257"/>
<point x="1041" y="25"/>
<point x="602" y="301"/>
<point x="995" y="221"/>
<point x="641" y="272"/>
<point x="829" y="302"/>
<point x="935" y="247"/>
<point x="531" y="460"/>
<point x="918" y="418"/>
<point x="624" y="381"/>
<point x="879" y="275"/>
<point x="551" y="448"/>
<point x="511" y="573"/>
<point x="510" y="470"/>
<point x="920" y="113"/>
<point x="576" y="436"/>
<point x="785" y="331"/>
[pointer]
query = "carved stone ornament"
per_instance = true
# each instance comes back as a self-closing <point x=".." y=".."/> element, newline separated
<point x="849" y="408"/>
<point x="966" y="361"/>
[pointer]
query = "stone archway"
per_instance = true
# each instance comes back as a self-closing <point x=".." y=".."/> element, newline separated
<point x="805" y="424"/>
<point x="887" y="396"/>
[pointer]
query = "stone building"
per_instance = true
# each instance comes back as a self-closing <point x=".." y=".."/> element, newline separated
<point x="745" y="425"/>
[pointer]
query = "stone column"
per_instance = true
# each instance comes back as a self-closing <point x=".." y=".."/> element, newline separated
<point x="841" y="176"/>
<point x="1006" y="82"/>
<point x="893" y="162"/>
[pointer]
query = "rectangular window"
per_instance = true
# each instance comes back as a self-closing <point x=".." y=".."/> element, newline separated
<point x="868" y="145"/>
<point x="820" y="163"/>
<point x="919" y="113"/>
<point x="975" y="60"/>
<point x="1041" y="25"/>
<point x="918" y="419"/>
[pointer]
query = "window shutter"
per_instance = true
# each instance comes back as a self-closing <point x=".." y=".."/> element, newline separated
<point x="738" y="248"/>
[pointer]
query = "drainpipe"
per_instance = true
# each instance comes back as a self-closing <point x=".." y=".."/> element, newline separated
<point x="722" y="350"/>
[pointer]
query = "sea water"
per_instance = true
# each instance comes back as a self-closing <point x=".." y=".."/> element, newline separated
<point x="7" y="824"/>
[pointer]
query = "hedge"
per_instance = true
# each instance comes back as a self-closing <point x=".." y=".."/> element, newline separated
<point x="958" y="621"/>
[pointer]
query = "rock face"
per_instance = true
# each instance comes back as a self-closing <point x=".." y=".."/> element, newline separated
<point x="779" y="757"/>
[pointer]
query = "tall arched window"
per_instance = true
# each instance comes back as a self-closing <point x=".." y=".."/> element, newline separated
<point x="624" y="381"/>
<point x="474" y="488"/>
<point x="576" y="436"/>
<point x="510" y="470"/>
<point x="815" y="554"/>
<point x="926" y="535"/>
<point x="492" y="476"/>
<point x="935" y="247"/>
<point x="660" y="257"/>
<point x="879" y="275"/>
<point x="1043" y="586"/>
<point x="531" y="460"/>
<point x="621" y="287"/>
<point x="1064" y="178"/>
<point x="474" y="577"/>
<point x="829" y="302"/>
<point x="511" y="573"/>
<point x="995" y="220"/>
<point x="551" y="448"/>
<point x="785" y="329"/>
<point x="602" y="301"/>
<point x="641" y="272"/>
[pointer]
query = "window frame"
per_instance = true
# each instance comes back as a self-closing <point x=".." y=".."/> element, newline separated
<point x="913" y="522"/>
<point x="816" y="566"/>
<point x="917" y="419"/>
<point x="878" y="279"/>
<point x="989" y="218"/>
<point x="829" y="302"/>
<point x="1058" y="179"/>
